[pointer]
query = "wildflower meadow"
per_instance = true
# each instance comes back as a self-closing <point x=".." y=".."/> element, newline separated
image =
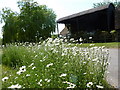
<point x="54" y="64"/>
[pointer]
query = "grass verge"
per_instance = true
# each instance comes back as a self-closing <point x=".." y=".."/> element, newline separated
<point x="107" y="45"/>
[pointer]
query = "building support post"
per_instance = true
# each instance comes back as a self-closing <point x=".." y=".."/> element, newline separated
<point x="57" y="30"/>
<point x="77" y="24"/>
<point x="78" y="30"/>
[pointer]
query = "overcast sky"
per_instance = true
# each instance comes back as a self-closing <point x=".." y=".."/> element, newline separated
<point x="60" y="7"/>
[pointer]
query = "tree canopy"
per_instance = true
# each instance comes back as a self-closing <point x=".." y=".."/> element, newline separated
<point x="32" y="23"/>
<point x="116" y="3"/>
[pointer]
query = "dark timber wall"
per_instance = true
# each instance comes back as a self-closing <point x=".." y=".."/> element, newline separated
<point x="117" y="18"/>
<point x="111" y="17"/>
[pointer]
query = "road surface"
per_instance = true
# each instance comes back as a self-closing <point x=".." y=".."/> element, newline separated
<point x="113" y="76"/>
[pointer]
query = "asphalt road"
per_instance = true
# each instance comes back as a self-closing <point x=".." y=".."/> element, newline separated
<point x="113" y="76"/>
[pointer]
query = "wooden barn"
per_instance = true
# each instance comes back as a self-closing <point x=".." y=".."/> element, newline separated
<point x="104" y="18"/>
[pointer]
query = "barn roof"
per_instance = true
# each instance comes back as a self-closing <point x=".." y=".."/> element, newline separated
<point x="61" y="20"/>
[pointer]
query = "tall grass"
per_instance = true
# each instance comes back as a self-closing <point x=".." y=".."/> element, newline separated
<point x="54" y="64"/>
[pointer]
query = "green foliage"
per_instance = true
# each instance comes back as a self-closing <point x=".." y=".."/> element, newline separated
<point x="54" y="36"/>
<point x="54" y="64"/>
<point x="33" y="22"/>
<point x="1" y="41"/>
<point x="11" y="57"/>
<point x="98" y="36"/>
<point x="116" y="3"/>
<point x="10" y="27"/>
<point x="102" y="36"/>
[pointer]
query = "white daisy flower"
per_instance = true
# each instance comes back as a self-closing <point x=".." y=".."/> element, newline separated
<point x="16" y="77"/>
<point x="95" y="59"/>
<point x="31" y="64"/>
<point x="65" y="63"/>
<point x="63" y="75"/>
<point x="41" y="60"/>
<point x="98" y="86"/>
<point x="89" y="84"/>
<point x="71" y="85"/>
<point x="19" y="72"/>
<point x="33" y="67"/>
<point x="84" y="62"/>
<point x="84" y="73"/>
<point x="39" y="83"/>
<point x="47" y="80"/>
<point x="15" y="86"/>
<point x="27" y="75"/>
<point x="49" y="65"/>
<point x="36" y="56"/>
<point x="23" y="68"/>
<point x="4" y="79"/>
